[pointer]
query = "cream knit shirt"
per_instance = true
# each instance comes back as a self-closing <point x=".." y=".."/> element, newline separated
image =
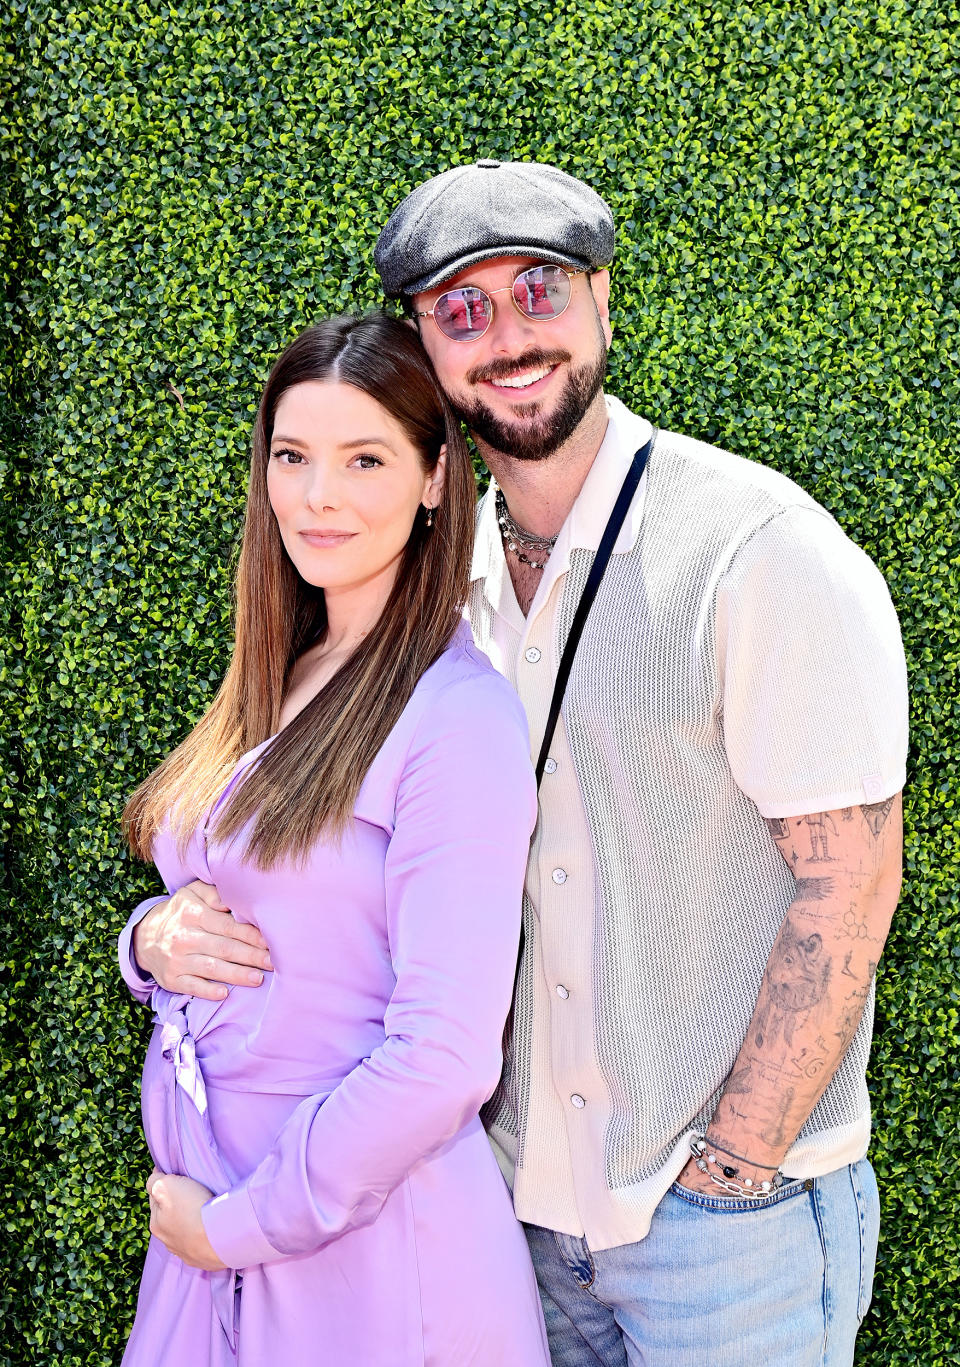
<point x="742" y="660"/>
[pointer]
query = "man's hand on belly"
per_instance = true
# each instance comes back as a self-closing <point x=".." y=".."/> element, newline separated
<point x="190" y="943"/>
<point x="175" y="1219"/>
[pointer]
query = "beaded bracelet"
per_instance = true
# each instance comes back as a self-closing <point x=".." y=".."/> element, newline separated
<point x="708" y="1162"/>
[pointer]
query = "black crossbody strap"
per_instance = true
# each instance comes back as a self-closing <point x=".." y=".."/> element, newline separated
<point x="604" y="551"/>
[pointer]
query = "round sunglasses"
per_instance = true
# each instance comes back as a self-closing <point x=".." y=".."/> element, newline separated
<point x="540" y="293"/>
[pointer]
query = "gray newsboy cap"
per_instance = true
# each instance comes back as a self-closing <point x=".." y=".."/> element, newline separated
<point x="492" y="208"/>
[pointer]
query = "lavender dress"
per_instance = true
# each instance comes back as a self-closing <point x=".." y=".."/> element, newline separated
<point x="333" y="1110"/>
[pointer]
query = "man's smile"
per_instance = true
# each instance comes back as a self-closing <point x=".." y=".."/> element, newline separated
<point x="525" y="379"/>
<point x="517" y="377"/>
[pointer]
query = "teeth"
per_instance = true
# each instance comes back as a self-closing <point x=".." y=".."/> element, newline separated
<point x="529" y="377"/>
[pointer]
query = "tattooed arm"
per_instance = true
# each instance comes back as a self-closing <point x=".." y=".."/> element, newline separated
<point x="847" y="865"/>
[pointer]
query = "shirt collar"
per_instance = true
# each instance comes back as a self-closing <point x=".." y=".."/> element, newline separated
<point x="583" y="530"/>
<point x="490" y="563"/>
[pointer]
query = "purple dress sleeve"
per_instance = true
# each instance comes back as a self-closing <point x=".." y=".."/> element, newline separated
<point x="465" y="809"/>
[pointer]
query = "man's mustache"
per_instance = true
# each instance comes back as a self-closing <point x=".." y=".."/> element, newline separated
<point x="505" y="368"/>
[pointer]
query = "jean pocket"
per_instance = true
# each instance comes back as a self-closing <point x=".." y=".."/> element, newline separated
<point x="742" y="1205"/>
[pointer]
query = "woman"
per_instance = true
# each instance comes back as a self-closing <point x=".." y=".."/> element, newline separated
<point x="360" y="790"/>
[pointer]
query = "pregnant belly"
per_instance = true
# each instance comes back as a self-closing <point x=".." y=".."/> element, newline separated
<point x="196" y="1125"/>
<point x="285" y="1036"/>
<point x="245" y="1125"/>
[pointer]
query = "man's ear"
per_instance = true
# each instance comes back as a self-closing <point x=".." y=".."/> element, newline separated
<point x="600" y="287"/>
<point x="409" y="315"/>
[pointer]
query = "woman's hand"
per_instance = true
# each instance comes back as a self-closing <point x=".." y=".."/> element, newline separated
<point x="190" y="943"/>
<point x="175" y="1204"/>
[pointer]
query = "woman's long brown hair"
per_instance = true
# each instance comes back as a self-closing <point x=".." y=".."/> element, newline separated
<point x="305" y="783"/>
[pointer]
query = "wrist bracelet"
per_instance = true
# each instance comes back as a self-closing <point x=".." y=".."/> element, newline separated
<point x="712" y="1144"/>
<point x="723" y="1173"/>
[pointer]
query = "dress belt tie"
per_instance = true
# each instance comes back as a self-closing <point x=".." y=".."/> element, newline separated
<point x="179" y="1048"/>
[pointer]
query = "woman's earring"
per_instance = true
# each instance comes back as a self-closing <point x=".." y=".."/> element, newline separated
<point x="429" y="517"/>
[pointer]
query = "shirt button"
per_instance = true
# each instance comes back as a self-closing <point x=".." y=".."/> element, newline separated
<point x="531" y="655"/>
<point x="578" y="1101"/>
<point x="550" y="767"/>
<point x="559" y="876"/>
<point x="562" y="991"/>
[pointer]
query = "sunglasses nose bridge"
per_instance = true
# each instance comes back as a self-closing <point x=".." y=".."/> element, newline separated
<point x="490" y="309"/>
<point x="502" y="289"/>
<point x="528" y="315"/>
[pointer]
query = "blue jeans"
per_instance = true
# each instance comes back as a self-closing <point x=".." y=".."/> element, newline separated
<point x="719" y="1282"/>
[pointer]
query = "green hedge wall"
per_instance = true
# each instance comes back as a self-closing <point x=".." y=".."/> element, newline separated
<point x="183" y="188"/>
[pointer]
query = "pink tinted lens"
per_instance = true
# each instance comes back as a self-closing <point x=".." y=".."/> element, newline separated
<point x="462" y="314"/>
<point x="542" y="291"/>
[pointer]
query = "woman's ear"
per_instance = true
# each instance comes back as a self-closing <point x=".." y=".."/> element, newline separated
<point x="433" y="490"/>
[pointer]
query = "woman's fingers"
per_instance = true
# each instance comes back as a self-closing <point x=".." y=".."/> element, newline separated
<point x="215" y="949"/>
<point x="176" y="1219"/>
<point x="191" y="939"/>
<point x="209" y="896"/>
<point x="235" y="941"/>
<point x="200" y="987"/>
<point x="206" y="893"/>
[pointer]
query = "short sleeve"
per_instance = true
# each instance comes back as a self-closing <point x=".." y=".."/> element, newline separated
<point x="814" y="685"/>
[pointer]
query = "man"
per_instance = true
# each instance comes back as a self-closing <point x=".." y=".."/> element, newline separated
<point x="683" y="1114"/>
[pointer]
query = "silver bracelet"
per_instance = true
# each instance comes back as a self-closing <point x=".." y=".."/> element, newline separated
<point x="723" y="1174"/>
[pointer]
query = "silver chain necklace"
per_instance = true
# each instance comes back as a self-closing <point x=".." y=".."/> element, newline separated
<point x="514" y="537"/>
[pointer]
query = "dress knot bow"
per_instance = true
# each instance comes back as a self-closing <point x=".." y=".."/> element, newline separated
<point x="179" y="1048"/>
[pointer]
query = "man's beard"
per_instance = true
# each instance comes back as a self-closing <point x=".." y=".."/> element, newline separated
<point x="533" y="437"/>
